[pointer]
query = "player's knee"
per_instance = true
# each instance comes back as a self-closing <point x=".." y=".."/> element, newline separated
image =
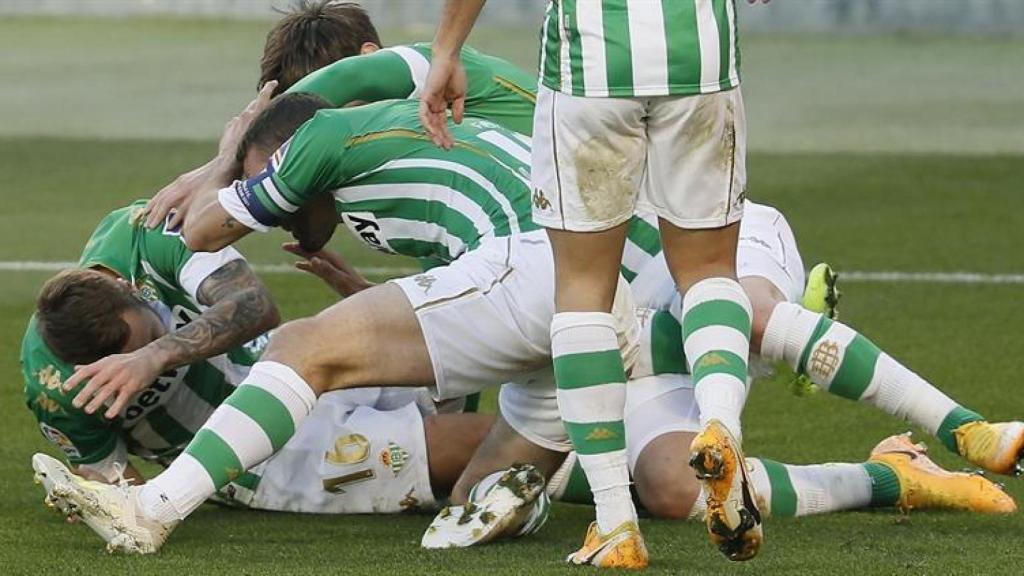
<point x="295" y="344"/>
<point x="670" y="498"/>
<point x="664" y="482"/>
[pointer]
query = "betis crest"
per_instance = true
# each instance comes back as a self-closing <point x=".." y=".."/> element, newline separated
<point x="394" y="457"/>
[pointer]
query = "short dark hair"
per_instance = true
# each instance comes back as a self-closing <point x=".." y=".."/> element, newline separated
<point x="79" y="315"/>
<point x="311" y="35"/>
<point x="276" y="124"/>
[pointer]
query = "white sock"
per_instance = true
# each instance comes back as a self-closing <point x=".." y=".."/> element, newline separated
<point x="256" y="420"/>
<point x="716" y="338"/>
<point x="790" y="490"/>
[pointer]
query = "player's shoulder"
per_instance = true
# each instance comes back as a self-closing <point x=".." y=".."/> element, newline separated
<point x="44" y="374"/>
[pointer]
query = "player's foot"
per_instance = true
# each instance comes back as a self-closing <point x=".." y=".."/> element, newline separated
<point x="923" y="484"/>
<point x="822" y="294"/>
<point x="733" y="519"/>
<point x="997" y="447"/>
<point x="111" y="511"/>
<point x="515" y="505"/>
<point x="621" y="548"/>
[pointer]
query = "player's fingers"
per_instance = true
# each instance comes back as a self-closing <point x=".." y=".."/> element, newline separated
<point x="123" y="396"/>
<point x="156" y="210"/>
<point x="458" y="109"/>
<point x="81" y="373"/>
<point x="267" y="92"/>
<point x="107" y="390"/>
<point x="305" y="266"/>
<point x="295" y="248"/>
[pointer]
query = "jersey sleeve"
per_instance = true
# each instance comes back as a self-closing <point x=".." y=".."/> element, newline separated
<point x="83" y="438"/>
<point x="165" y="251"/>
<point x="388" y="74"/>
<point x="308" y="164"/>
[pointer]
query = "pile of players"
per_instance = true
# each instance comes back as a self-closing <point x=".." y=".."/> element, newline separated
<point x="163" y="344"/>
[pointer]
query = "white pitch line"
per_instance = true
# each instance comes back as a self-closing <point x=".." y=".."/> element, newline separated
<point x="41" y="266"/>
<point x="890" y="277"/>
<point x="930" y="277"/>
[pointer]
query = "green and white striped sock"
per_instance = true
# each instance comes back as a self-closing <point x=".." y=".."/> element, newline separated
<point x="716" y="341"/>
<point x="847" y="364"/>
<point x="821" y="488"/>
<point x="259" y="417"/>
<point x="789" y="490"/>
<point x="591" y="384"/>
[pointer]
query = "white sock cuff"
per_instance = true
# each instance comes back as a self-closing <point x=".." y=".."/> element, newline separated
<point x="576" y="332"/>
<point x="284" y="375"/>
<point x="718" y="288"/>
<point x="605" y="471"/>
<point x="788" y="331"/>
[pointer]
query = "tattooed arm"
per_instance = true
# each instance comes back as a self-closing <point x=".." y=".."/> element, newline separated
<point x="239" y="309"/>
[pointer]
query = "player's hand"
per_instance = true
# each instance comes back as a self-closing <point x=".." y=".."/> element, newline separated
<point x="174" y="199"/>
<point x="237" y="126"/>
<point x="119" y="376"/>
<point x="329" y="267"/>
<point x="445" y="87"/>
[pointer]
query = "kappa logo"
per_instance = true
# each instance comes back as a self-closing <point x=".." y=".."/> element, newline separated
<point x="601" y="433"/>
<point x="47" y="404"/>
<point x="824" y="359"/>
<point x="540" y="201"/>
<point x="50" y="378"/>
<point x="410" y="503"/>
<point x="425" y="281"/>
<point x="712" y="359"/>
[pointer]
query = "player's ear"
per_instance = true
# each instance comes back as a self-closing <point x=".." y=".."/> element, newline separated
<point x="368" y="48"/>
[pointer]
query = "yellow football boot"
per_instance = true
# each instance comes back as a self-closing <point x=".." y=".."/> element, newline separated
<point x="821" y="294"/>
<point x="924" y="485"/>
<point x="733" y="519"/>
<point x="621" y="548"/>
<point x="997" y="447"/>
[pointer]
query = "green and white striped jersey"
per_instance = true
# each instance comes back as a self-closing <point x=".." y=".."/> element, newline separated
<point x="159" y="421"/>
<point x="625" y="48"/>
<point x="393" y="188"/>
<point x="496" y="89"/>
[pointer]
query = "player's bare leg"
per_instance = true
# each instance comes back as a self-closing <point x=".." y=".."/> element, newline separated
<point x="716" y="333"/>
<point x="591" y="383"/>
<point x="364" y="340"/>
<point x="500" y="494"/>
<point x="452" y="439"/>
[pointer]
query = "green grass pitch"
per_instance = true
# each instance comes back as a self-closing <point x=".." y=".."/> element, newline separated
<point x="859" y="207"/>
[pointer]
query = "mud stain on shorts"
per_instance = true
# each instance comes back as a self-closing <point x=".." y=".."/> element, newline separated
<point x="608" y="176"/>
<point x="710" y="132"/>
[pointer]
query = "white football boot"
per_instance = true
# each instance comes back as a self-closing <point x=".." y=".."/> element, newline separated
<point x="515" y="505"/>
<point x="112" y="511"/>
